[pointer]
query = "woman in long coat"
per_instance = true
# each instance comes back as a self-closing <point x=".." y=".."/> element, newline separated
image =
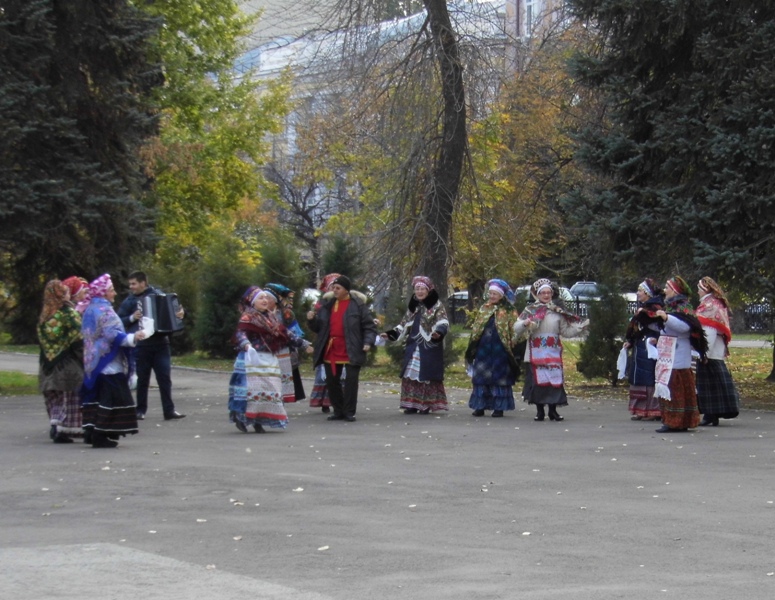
<point x="423" y="327"/>
<point x="717" y="396"/>
<point x="641" y="337"/>
<point x="545" y="324"/>
<point x="490" y="354"/>
<point x="61" y="362"/>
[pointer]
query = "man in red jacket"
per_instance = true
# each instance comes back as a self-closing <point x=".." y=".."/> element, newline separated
<point x="346" y="332"/>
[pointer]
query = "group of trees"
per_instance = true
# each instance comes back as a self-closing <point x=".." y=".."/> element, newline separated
<point x="128" y="143"/>
<point x="636" y="138"/>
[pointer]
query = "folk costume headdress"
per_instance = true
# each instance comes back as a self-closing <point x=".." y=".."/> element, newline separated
<point x="60" y="326"/>
<point x="99" y="287"/>
<point x="328" y="281"/>
<point x="501" y="287"/>
<point x="424" y="281"/>
<point x="53" y="298"/>
<point x="713" y="310"/>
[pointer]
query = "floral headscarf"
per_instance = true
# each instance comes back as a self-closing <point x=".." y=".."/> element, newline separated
<point x="62" y="327"/>
<point x="100" y="286"/>
<point x="713" y="310"/>
<point x="503" y="288"/>
<point x="53" y="299"/>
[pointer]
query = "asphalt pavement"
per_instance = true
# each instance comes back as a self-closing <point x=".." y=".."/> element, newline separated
<point x="393" y="506"/>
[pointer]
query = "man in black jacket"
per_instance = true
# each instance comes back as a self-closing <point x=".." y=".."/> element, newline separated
<point x="346" y="332"/>
<point x="152" y="353"/>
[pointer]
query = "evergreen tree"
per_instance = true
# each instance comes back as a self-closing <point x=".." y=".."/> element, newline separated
<point x="343" y="257"/>
<point x="74" y="77"/>
<point x="607" y="323"/>
<point x="691" y="141"/>
<point x="223" y="279"/>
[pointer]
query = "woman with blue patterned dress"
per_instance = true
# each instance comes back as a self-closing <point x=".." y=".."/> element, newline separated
<point x="490" y="355"/>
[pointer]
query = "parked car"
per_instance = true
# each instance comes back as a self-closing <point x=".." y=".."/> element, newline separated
<point x="585" y="290"/>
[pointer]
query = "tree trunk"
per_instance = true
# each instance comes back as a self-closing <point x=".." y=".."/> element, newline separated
<point x="442" y="190"/>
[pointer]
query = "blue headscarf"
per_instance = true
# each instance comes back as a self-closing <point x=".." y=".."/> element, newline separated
<point x="503" y="288"/>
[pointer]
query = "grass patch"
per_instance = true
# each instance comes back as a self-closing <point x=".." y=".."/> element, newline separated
<point x="14" y="383"/>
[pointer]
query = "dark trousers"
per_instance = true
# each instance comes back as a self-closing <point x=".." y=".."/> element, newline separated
<point x="158" y="359"/>
<point x="344" y="401"/>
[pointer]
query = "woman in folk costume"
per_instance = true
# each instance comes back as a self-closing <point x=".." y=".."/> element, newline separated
<point x="674" y="385"/>
<point x="423" y="327"/>
<point x="276" y="293"/>
<point x="108" y="408"/>
<point x="291" y="323"/>
<point x="61" y="362"/>
<point x="641" y="338"/>
<point x="490" y="353"/>
<point x="255" y="387"/>
<point x="717" y="396"/>
<point x="319" y="394"/>
<point x="79" y="293"/>
<point x="544" y="324"/>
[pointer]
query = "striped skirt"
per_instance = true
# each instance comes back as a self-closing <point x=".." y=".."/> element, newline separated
<point x="680" y="412"/>
<point x="110" y="408"/>
<point x="64" y="412"/>
<point x="255" y="395"/>
<point x="643" y="404"/>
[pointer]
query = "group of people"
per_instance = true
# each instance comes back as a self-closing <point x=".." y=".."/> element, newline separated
<point x="85" y="361"/>
<point x="662" y="338"/>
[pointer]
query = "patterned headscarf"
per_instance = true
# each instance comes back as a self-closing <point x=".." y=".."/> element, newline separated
<point x="713" y="310"/>
<point x="53" y="299"/>
<point x="423" y="280"/>
<point x="247" y="298"/>
<point x="62" y="328"/>
<point x="679" y="286"/>
<point x="709" y="286"/>
<point x="99" y="286"/>
<point x="278" y="289"/>
<point x="500" y="286"/>
<point x="75" y="285"/>
<point x="328" y="281"/>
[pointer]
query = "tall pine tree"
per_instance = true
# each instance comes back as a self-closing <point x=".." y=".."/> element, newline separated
<point x="74" y="78"/>
<point x="691" y="141"/>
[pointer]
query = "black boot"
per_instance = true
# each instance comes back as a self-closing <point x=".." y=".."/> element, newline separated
<point x="100" y="440"/>
<point x="553" y="414"/>
<point x="540" y="415"/>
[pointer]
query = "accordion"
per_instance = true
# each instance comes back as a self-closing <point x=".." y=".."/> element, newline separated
<point x="162" y="308"/>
